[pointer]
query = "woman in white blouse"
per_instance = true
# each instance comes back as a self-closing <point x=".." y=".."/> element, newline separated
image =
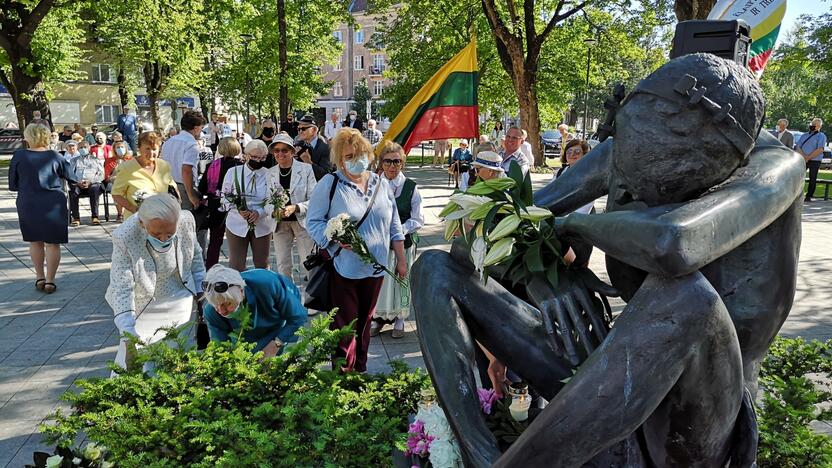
<point x="156" y="271"/>
<point x="394" y="301"/>
<point x="252" y="226"/>
<point x="298" y="179"/>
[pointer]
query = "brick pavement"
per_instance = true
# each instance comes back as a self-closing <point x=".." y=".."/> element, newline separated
<point x="49" y="341"/>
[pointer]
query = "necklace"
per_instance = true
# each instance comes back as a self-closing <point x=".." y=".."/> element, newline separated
<point x="282" y="174"/>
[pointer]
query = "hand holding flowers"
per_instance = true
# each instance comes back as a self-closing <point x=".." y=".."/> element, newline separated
<point x="343" y="230"/>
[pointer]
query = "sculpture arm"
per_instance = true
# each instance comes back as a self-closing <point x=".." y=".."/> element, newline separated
<point x="676" y="240"/>
<point x="582" y="183"/>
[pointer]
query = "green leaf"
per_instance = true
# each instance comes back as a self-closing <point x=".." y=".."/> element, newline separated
<point x="449" y="208"/>
<point x="480" y="188"/>
<point x="482" y="211"/>
<point x="533" y="258"/>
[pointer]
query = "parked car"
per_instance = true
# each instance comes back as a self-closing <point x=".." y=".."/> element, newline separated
<point x="550" y="141"/>
<point x="11" y="140"/>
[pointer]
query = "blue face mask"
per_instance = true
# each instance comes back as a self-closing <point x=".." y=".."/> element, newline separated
<point x="83" y="152"/>
<point x="358" y="165"/>
<point x="160" y="246"/>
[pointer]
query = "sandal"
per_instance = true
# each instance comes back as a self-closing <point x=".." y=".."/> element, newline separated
<point x="39" y="284"/>
<point x="49" y="288"/>
<point x="75" y="223"/>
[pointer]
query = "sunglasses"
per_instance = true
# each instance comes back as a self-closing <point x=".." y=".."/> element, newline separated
<point x="219" y="286"/>
<point x="303" y="129"/>
<point x="392" y="162"/>
<point x="283" y="150"/>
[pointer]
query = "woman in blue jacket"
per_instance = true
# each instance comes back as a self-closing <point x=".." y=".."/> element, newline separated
<point x="273" y="301"/>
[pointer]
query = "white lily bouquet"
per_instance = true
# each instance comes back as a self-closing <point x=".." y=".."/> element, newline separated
<point x="276" y="201"/>
<point x="343" y="229"/>
<point x="139" y="196"/>
<point x="508" y="230"/>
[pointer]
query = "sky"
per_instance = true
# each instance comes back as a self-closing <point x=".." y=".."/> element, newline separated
<point x="795" y="8"/>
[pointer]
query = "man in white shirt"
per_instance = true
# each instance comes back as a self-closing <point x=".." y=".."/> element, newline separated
<point x="526" y="147"/>
<point x="513" y="151"/>
<point x="372" y="134"/>
<point x="332" y="127"/>
<point x="182" y="153"/>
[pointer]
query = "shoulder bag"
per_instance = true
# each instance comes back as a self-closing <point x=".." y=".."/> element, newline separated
<point x="321" y="266"/>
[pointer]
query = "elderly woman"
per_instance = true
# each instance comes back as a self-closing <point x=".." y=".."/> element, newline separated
<point x="101" y="149"/>
<point x="120" y="154"/>
<point x="298" y="180"/>
<point x="36" y="175"/>
<point x="576" y="253"/>
<point x="272" y="300"/>
<point x="393" y="304"/>
<point x="487" y="165"/>
<point x="143" y="176"/>
<point x="210" y="184"/>
<point x="156" y="271"/>
<point x="248" y="224"/>
<point x="355" y="285"/>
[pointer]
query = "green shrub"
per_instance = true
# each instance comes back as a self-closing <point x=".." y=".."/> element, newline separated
<point x="790" y="401"/>
<point x="225" y="407"/>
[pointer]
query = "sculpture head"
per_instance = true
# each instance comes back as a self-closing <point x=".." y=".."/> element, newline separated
<point x="686" y="128"/>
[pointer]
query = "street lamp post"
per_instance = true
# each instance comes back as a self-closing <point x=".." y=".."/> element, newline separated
<point x="590" y="42"/>
<point x="246" y="39"/>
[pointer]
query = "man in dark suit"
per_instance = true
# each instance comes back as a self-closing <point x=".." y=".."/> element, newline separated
<point x="353" y="121"/>
<point x="313" y="149"/>
<point x="786" y="137"/>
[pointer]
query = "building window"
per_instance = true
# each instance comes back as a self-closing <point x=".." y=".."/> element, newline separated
<point x="337" y="66"/>
<point x="378" y="88"/>
<point x="358" y="62"/>
<point x="338" y="35"/>
<point x="106" y="113"/>
<point x="103" y="73"/>
<point x="359" y="36"/>
<point x="337" y="89"/>
<point x="378" y="64"/>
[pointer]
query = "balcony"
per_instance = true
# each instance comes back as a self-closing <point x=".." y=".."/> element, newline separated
<point x="376" y="71"/>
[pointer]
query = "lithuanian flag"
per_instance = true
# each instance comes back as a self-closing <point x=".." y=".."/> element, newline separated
<point x="445" y="107"/>
<point x="764" y="17"/>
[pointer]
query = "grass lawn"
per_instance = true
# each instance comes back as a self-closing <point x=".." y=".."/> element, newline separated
<point x="820" y="188"/>
<point x="5" y="162"/>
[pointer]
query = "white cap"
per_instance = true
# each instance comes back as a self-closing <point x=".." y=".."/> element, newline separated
<point x="489" y="160"/>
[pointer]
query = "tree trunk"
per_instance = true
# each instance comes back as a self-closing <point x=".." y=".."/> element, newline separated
<point x="693" y="9"/>
<point x="123" y="93"/>
<point x="530" y="116"/>
<point x="27" y="94"/>
<point x="153" y="97"/>
<point x="283" y="65"/>
<point x="154" y="78"/>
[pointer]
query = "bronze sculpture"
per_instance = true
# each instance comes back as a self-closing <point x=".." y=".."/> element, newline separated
<point x="701" y="235"/>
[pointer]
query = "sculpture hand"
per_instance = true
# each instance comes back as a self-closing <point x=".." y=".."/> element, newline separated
<point x="497" y="374"/>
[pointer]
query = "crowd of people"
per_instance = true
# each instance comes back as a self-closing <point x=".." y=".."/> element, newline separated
<point x="206" y="186"/>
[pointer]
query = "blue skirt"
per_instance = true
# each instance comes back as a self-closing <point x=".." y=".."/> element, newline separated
<point x="43" y="216"/>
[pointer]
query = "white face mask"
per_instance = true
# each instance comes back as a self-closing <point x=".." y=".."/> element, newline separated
<point x="352" y="116"/>
<point x="358" y="165"/>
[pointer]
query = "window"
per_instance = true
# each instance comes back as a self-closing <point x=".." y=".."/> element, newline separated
<point x="337" y="66"/>
<point x="106" y="113"/>
<point x="102" y="73"/>
<point x="378" y="88"/>
<point x="378" y="64"/>
<point x="358" y="62"/>
<point x="337" y="89"/>
<point x="338" y="35"/>
<point x="359" y="36"/>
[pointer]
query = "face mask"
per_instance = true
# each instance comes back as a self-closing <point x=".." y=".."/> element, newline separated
<point x="268" y="131"/>
<point x="357" y="165"/>
<point x="120" y="151"/>
<point x="352" y="117"/>
<point x="254" y="165"/>
<point x="160" y="246"/>
<point x="83" y="152"/>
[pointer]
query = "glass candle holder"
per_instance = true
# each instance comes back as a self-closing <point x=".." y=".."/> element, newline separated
<point x="520" y="401"/>
<point x="427" y="397"/>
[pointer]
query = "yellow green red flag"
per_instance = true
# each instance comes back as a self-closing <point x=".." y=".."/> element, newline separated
<point x="764" y="17"/>
<point x="445" y="107"/>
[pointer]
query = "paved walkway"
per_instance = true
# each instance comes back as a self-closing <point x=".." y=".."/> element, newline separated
<point x="49" y="341"/>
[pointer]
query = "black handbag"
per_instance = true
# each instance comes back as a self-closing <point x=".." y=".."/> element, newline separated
<point x="321" y="266"/>
<point x="202" y="335"/>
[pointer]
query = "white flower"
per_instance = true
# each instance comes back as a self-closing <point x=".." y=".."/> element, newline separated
<point x="468" y="202"/>
<point x="76" y="461"/>
<point x="335" y="226"/>
<point x="478" y="250"/>
<point x="92" y="451"/>
<point x="54" y="461"/>
<point x="444" y="454"/>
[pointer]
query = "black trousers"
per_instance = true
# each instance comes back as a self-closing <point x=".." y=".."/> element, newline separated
<point x="814" y="167"/>
<point x="75" y="192"/>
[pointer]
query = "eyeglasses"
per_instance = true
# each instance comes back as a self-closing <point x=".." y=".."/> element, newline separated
<point x="303" y="129"/>
<point x="283" y="150"/>
<point x="392" y="162"/>
<point x="219" y="286"/>
<point x="577" y="150"/>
